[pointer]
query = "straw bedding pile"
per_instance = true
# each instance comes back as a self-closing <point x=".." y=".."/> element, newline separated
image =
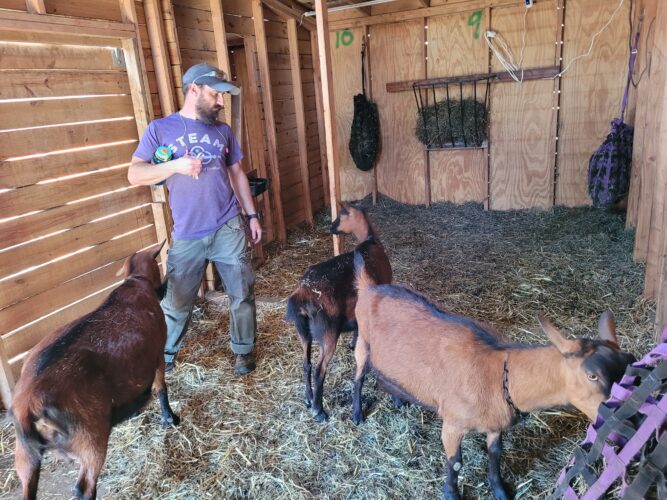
<point x="252" y="437"/>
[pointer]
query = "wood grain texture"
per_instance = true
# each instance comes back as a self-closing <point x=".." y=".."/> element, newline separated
<point x="398" y="55"/>
<point x="346" y="73"/>
<point x="522" y="134"/>
<point x="458" y="176"/>
<point x="591" y="91"/>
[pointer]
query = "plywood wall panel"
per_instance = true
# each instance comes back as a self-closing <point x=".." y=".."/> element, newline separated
<point x="522" y="131"/>
<point x="398" y="54"/>
<point x="458" y="176"/>
<point x="591" y="90"/>
<point x="346" y="74"/>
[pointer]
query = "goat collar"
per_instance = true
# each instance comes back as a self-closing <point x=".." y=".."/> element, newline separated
<point x="508" y="399"/>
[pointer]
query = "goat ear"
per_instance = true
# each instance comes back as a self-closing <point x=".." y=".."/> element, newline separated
<point x="562" y="343"/>
<point x="607" y="327"/>
<point x="124" y="271"/>
<point x="157" y="252"/>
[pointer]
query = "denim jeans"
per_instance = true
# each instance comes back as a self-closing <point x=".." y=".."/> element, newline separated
<point x="186" y="263"/>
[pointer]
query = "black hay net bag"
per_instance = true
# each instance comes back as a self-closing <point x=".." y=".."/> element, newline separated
<point x="365" y="132"/>
<point x="610" y="165"/>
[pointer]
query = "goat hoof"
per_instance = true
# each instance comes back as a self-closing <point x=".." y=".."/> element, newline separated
<point x="173" y="419"/>
<point x="309" y="403"/>
<point x="398" y="402"/>
<point x="358" y="418"/>
<point x="321" y="416"/>
<point x="451" y="493"/>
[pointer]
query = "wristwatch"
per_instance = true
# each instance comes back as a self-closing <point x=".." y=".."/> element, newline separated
<point x="251" y="216"/>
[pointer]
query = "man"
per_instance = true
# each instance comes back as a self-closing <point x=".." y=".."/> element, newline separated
<point x="206" y="185"/>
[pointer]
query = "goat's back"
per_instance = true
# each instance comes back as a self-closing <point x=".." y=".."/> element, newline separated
<point x="443" y="360"/>
<point x="110" y="354"/>
<point x="330" y="284"/>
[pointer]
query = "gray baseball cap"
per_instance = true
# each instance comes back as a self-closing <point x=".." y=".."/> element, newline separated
<point x="205" y="74"/>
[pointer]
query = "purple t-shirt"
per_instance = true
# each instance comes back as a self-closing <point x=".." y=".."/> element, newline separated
<point x="199" y="206"/>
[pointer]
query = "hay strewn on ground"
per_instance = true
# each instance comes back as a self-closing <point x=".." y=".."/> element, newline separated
<point x="253" y="438"/>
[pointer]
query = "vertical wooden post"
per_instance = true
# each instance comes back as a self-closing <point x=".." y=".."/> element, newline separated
<point x="254" y="123"/>
<point x="143" y="112"/>
<point x="7" y="381"/>
<point x="329" y="109"/>
<point x="487" y="170"/>
<point x="560" y="36"/>
<point x="172" y="37"/>
<point x="297" y="87"/>
<point x="320" y="114"/>
<point x="35" y="6"/>
<point x="427" y="165"/>
<point x="267" y="98"/>
<point x="165" y="84"/>
<point x="232" y="103"/>
<point x="369" y="69"/>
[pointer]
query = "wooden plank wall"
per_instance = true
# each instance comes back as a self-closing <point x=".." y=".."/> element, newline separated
<point x="346" y="68"/>
<point x="455" y="48"/>
<point x="591" y="91"/>
<point x="521" y="170"/>
<point x="398" y="54"/>
<point x="68" y="216"/>
<point x="523" y="138"/>
<point x="651" y="177"/>
<point x="192" y="19"/>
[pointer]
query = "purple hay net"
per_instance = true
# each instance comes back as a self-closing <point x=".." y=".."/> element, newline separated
<point x="628" y="439"/>
<point x="609" y="167"/>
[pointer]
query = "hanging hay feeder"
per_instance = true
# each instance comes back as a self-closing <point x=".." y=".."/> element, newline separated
<point x="452" y="123"/>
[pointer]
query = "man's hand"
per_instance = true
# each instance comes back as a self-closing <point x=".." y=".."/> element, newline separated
<point x="255" y="231"/>
<point x="186" y="165"/>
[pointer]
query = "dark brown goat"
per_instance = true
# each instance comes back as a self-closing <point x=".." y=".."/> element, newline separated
<point x="322" y="306"/>
<point x="81" y="380"/>
<point x="469" y="375"/>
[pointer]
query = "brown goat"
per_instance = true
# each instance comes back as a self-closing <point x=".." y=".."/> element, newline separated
<point x="322" y="306"/>
<point x="469" y="375"/>
<point x="81" y="380"/>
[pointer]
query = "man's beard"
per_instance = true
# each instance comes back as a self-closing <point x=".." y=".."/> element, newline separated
<point x="207" y="114"/>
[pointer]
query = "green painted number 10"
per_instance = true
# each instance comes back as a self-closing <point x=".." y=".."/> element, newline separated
<point x="346" y="37"/>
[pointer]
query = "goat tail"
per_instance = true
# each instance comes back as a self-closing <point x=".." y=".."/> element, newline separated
<point x="294" y="314"/>
<point x="363" y="279"/>
<point x="26" y="433"/>
<point x="37" y="428"/>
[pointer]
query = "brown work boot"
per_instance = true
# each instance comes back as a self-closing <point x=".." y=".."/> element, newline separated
<point x="244" y="364"/>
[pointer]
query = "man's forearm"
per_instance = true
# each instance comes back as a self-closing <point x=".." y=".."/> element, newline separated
<point x="144" y="174"/>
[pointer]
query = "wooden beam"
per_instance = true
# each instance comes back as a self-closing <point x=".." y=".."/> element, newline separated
<point x="317" y="77"/>
<point x="253" y="115"/>
<point x="13" y="21"/>
<point x="143" y="114"/>
<point x="329" y="109"/>
<point x="297" y="87"/>
<point x="290" y="13"/>
<point x="160" y="54"/>
<point x="35" y="6"/>
<point x="395" y="17"/>
<point x="269" y="120"/>
<point x="529" y="74"/>
<point x="232" y="108"/>
<point x="425" y="3"/>
<point x="7" y="381"/>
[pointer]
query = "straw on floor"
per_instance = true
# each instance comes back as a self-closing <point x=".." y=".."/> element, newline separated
<point x="252" y="437"/>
